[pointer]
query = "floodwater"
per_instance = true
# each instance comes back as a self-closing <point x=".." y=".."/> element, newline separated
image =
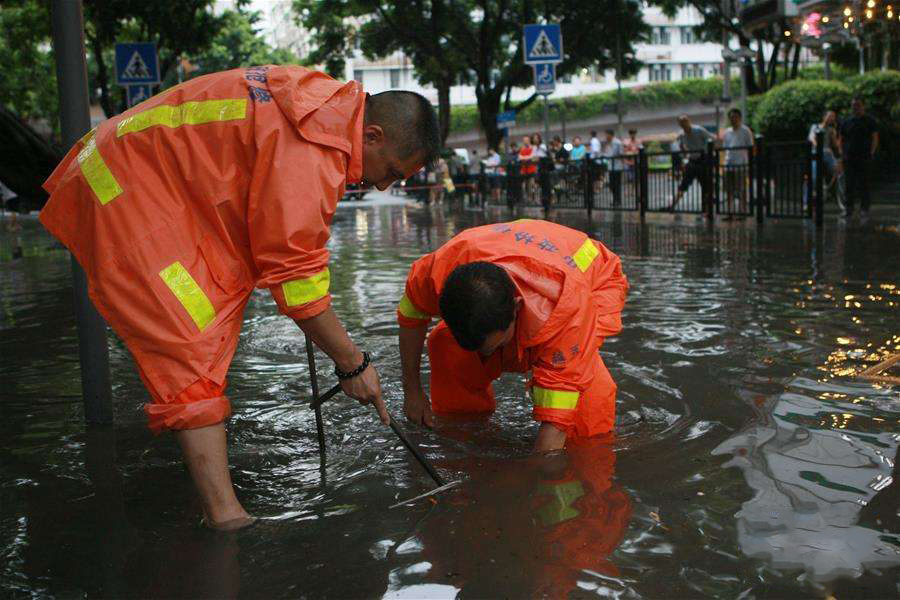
<point x="751" y="460"/>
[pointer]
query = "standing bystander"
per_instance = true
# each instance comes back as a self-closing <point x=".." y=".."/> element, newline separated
<point x="859" y="142"/>
<point x="692" y="141"/>
<point x="738" y="142"/>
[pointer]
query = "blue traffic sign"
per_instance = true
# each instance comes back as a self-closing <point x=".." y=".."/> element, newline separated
<point x="136" y="63"/>
<point x="506" y="119"/>
<point x="543" y="44"/>
<point x="545" y="78"/>
<point x="138" y="93"/>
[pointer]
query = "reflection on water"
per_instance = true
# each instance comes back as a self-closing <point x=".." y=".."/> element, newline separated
<point x="742" y="348"/>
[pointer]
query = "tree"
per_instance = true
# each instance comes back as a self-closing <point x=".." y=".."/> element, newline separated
<point x="720" y="16"/>
<point x="179" y="27"/>
<point x="479" y="42"/>
<point x="238" y="44"/>
<point x="29" y="74"/>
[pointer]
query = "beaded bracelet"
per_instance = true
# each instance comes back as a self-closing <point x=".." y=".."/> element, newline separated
<point x="358" y="370"/>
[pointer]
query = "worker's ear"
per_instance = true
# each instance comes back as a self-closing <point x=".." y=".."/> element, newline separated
<point x="373" y="134"/>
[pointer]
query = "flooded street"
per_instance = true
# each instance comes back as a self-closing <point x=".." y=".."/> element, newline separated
<point x="751" y="459"/>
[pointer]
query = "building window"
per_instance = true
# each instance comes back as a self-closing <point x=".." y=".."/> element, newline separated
<point x="357" y="75"/>
<point x="660" y="73"/>
<point x="395" y="78"/>
<point x="687" y="35"/>
<point x="691" y="71"/>
<point x="660" y="36"/>
<point x="715" y="69"/>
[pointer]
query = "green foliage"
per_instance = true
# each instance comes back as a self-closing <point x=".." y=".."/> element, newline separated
<point x="880" y="91"/>
<point x="238" y="44"/>
<point x="895" y="114"/>
<point x="29" y="73"/>
<point x="786" y="111"/>
<point x="590" y="105"/>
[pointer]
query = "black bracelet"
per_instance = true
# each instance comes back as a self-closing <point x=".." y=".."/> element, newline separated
<point x="351" y="374"/>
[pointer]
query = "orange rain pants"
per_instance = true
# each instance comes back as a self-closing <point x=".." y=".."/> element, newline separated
<point x="573" y="292"/>
<point x="179" y="207"/>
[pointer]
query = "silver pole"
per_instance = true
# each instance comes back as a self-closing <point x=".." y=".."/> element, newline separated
<point x="75" y="121"/>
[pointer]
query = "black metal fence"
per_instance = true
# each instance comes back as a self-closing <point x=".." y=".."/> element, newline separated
<point x="767" y="180"/>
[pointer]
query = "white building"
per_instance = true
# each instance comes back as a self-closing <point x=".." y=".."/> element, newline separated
<point x="674" y="53"/>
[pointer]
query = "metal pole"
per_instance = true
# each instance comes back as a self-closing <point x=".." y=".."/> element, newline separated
<point x="862" y="56"/>
<point x="826" y="49"/>
<point x="314" y="381"/>
<point x="75" y="120"/>
<point x="546" y="120"/>
<point x="744" y="65"/>
<point x="618" y="85"/>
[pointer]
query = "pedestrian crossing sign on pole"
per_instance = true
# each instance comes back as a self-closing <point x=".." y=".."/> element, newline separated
<point x="543" y="44"/>
<point x="136" y="63"/>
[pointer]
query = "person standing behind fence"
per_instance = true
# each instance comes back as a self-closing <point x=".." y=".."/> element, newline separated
<point x="632" y="146"/>
<point x="595" y="146"/>
<point x="692" y="141"/>
<point x="612" y="152"/>
<point x="859" y="142"/>
<point x="737" y="141"/>
<point x="578" y="150"/>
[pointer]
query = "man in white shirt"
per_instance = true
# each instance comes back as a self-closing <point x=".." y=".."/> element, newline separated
<point x="595" y="146"/>
<point x="612" y="152"/>
<point x="738" y="143"/>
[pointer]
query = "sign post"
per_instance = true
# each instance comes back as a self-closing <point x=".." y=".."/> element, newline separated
<point x="75" y="121"/>
<point x="543" y="48"/>
<point x="137" y="68"/>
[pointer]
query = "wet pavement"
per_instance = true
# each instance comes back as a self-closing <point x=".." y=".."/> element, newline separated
<point x="752" y="460"/>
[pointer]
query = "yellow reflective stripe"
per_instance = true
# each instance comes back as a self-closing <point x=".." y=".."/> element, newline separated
<point x="559" y="508"/>
<point x="189" y="113"/>
<point x="563" y="399"/>
<point x="409" y="310"/>
<point x="585" y="255"/>
<point x="189" y="294"/>
<point x="306" y="290"/>
<point x="95" y="171"/>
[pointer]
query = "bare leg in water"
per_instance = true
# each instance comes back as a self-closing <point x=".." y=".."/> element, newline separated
<point x="206" y="456"/>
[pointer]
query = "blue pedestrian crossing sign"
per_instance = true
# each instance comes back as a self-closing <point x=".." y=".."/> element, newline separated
<point x="138" y="93"/>
<point x="136" y="63"/>
<point x="543" y="44"/>
<point x="545" y="78"/>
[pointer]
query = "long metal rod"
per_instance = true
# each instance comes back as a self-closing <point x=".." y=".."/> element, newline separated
<point x="318" y="401"/>
<point x="314" y="380"/>
<point x="75" y="120"/>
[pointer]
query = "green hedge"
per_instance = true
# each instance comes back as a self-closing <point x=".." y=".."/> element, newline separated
<point x="880" y="90"/>
<point x="786" y="111"/>
<point x="465" y="117"/>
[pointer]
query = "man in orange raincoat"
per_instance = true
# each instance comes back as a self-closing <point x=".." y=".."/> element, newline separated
<point x="179" y="207"/>
<point x="515" y="297"/>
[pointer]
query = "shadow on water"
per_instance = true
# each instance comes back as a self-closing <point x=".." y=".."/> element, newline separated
<point x="749" y="461"/>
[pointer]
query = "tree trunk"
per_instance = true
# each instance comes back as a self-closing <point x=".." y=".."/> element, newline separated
<point x="26" y="159"/>
<point x="795" y="67"/>
<point x="443" y="90"/>
<point x="102" y="77"/>
<point x="488" y="108"/>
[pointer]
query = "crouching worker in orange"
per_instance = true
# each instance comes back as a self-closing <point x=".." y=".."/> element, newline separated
<point x="180" y="206"/>
<point x="515" y="297"/>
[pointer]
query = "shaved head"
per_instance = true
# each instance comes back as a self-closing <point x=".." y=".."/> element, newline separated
<point x="409" y="124"/>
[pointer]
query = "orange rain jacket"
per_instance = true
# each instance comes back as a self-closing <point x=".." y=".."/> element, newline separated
<point x="180" y="206"/>
<point x="573" y="290"/>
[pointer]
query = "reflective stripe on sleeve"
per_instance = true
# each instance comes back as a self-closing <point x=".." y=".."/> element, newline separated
<point x="189" y="294"/>
<point x="585" y="255"/>
<point x="561" y="399"/>
<point x="409" y="310"/>
<point x="95" y="171"/>
<point x="189" y="113"/>
<point x="307" y="289"/>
